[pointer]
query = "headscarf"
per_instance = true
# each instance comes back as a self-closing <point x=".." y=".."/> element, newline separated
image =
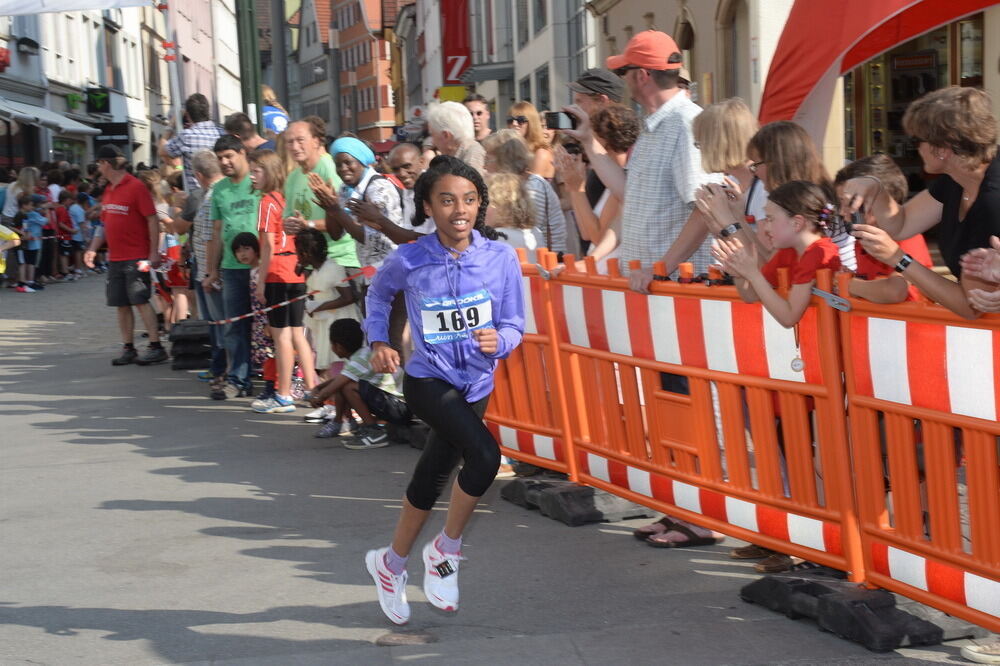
<point x="355" y="148"/>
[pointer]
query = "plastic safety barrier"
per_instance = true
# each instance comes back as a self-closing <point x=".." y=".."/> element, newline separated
<point x="526" y="412"/>
<point x="846" y="441"/>
<point x="923" y="390"/>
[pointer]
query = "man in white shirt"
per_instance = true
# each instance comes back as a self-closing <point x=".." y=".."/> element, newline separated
<point x="664" y="171"/>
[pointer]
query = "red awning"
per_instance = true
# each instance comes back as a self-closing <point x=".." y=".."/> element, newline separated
<point x="824" y="39"/>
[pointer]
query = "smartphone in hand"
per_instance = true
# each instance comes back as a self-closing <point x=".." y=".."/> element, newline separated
<point x="559" y="120"/>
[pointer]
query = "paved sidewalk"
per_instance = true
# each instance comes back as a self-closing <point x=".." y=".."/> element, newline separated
<point x="142" y="523"/>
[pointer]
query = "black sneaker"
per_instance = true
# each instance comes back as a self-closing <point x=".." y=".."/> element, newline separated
<point x="152" y="355"/>
<point x="128" y="356"/>
<point x="217" y="388"/>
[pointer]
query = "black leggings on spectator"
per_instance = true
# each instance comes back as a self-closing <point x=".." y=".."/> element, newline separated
<point x="457" y="433"/>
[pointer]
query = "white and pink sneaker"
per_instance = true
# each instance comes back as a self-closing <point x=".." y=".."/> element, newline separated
<point x="391" y="588"/>
<point x="441" y="577"/>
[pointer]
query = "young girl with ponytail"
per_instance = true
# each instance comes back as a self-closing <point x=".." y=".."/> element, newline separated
<point x="464" y="303"/>
<point x="798" y="220"/>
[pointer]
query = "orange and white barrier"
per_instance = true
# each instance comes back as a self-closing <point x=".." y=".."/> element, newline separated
<point x="692" y="402"/>
<point x="923" y="388"/>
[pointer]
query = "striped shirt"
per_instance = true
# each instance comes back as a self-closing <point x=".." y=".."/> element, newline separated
<point x="663" y="174"/>
<point x="200" y="136"/>
<point x="549" y="218"/>
<point x="359" y="368"/>
<point x="202" y="231"/>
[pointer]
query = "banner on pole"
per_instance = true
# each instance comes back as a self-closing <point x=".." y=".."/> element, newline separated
<point x="457" y="48"/>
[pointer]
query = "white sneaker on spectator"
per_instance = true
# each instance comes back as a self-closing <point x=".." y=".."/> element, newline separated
<point x="324" y="413"/>
<point x="390" y="587"/>
<point x="441" y="577"/>
<point x="983" y="654"/>
<point x="350" y="427"/>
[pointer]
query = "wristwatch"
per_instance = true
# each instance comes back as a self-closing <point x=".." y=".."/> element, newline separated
<point x="311" y="224"/>
<point x="730" y="230"/>
<point x="904" y="261"/>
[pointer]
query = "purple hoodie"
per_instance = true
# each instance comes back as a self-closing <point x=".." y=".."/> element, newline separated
<point x="446" y="296"/>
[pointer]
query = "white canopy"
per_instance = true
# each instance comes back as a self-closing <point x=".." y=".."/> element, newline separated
<point x="15" y="7"/>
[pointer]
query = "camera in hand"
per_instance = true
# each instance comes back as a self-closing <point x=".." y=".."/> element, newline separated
<point x="559" y="120"/>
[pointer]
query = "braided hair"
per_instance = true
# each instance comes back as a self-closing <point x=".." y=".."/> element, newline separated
<point x="310" y="246"/>
<point x="446" y="165"/>
<point x="800" y="197"/>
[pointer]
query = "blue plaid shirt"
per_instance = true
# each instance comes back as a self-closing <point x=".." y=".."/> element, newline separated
<point x="191" y="140"/>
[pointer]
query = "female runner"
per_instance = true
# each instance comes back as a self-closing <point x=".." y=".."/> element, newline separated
<point x="465" y="306"/>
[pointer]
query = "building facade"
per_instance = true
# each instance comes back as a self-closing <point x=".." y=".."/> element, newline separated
<point x="364" y="43"/>
<point x="22" y="82"/>
<point x="529" y="50"/>
<point x="77" y="80"/>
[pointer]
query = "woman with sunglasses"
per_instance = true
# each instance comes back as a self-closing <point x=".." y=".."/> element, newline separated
<point x="526" y="121"/>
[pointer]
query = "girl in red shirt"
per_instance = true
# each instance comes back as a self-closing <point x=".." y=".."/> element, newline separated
<point x="798" y="217"/>
<point x="279" y="281"/>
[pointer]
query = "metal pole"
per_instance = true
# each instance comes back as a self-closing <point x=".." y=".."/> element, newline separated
<point x="246" y="24"/>
<point x="279" y="76"/>
<point x="176" y="104"/>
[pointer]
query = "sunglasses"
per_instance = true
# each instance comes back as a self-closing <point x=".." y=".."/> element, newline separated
<point x="520" y="120"/>
<point x="753" y="166"/>
<point x="621" y="71"/>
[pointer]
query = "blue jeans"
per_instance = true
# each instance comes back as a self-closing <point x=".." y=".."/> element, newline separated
<point x="210" y="306"/>
<point x="236" y="336"/>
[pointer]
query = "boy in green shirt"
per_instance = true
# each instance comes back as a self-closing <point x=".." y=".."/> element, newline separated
<point x="233" y="211"/>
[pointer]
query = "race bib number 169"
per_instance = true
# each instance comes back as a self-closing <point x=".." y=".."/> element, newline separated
<point x="449" y="319"/>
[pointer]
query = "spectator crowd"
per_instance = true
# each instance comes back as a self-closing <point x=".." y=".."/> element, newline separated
<point x="297" y="222"/>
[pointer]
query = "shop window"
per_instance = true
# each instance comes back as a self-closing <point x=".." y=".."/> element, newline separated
<point x="542" y="87"/>
<point x="877" y="93"/>
<point x="524" y="89"/>
<point x="522" y="23"/>
<point x="734" y="34"/>
<point x="541" y="15"/>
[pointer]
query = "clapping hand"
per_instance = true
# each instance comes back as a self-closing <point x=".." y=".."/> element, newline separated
<point x="294" y="224"/>
<point x="735" y="258"/>
<point x="325" y="196"/>
<point x="570" y="168"/>
<point x="983" y="262"/>
<point x="365" y="211"/>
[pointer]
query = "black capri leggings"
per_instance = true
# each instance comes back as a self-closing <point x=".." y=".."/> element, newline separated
<point x="457" y="433"/>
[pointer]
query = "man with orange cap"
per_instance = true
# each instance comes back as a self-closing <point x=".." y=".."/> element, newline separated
<point x="664" y="170"/>
<point x="657" y="195"/>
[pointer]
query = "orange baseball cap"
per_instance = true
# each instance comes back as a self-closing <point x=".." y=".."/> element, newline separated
<point x="649" y="50"/>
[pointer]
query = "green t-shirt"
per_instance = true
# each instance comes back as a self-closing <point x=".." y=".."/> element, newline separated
<point x="299" y="197"/>
<point x="236" y="205"/>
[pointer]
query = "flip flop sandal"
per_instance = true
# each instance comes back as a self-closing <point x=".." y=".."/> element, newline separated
<point x="693" y="539"/>
<point x="776" y="563"/>
<point x="751" y="552"/>
<point x="661" y="526"/>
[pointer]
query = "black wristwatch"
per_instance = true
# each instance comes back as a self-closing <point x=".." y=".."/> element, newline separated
<point x="730" y="230"/>
<point x="904" y="261"/>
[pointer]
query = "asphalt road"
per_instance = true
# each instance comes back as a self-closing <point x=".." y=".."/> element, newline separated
<point x="142" y="523"/>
